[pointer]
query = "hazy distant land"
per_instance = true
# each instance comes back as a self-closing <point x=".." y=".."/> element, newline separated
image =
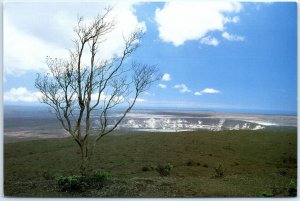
<point x="23" y="123"/>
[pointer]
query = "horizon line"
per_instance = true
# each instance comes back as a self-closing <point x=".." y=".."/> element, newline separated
<point x="204" y="109"/>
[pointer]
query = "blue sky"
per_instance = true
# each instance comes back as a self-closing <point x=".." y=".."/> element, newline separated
<point x="216" y="56"/>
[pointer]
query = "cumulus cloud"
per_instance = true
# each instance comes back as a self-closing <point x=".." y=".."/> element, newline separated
<point x="23" y="52"/>
<point x="27" y="41"/>
<point x="181" y="21"/>
<point x="234" y="19"/>
<point x="163" y="86"/>
<point x="210" y="91"/>
<point x="209" y="41"/>
<point x="232" y="37"/>
<point x="197" y="93"/>
<point x="182" y="88"/>
<point x="21" y="94"/>
<point x="166" y="77"/>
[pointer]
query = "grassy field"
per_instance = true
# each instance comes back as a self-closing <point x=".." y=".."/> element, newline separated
<point x="253" y="163"/>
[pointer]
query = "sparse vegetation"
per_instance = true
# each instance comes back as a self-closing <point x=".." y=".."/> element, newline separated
<point x="80" y="183"/>
<point x="292" y="188"/>
<point x="145" y="168"/>
<point x="46" y="175"/>
<point x="190" y="163"/>
<point x="252" y="165"/>
<point x="71" y="183"/>
<point x="267" y="194"/>
<point x="205" y="165"/>
<point x="219" y="171"/>
<point x="164" y="170"/>
<point x="99" y="178"/>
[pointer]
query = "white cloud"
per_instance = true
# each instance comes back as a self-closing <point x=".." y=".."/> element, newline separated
<point x="180" y="21"/>
<point x="27" y="41"/>
<point x="209" y="41"/>
<point x="23" y="52"/>
<point x="166" y="77"/>
<point x="210" y="91"/>
<point x="140" y="100"/>
<point x="94" y="97"/>
<point x="148" y="93"/>
<point x="163" y="86"/>
<point x="197" y="93"/>
<point x="232" y="37"/>
<point x="21" y="94"/>
<point x="234" y="19"/>
<point x="182" y="88"/>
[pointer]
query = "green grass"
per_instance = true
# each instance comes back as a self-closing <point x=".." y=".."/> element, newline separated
<point x="254" y="163"/>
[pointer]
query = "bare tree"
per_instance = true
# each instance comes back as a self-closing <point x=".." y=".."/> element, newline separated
<point x="74" y="90"/>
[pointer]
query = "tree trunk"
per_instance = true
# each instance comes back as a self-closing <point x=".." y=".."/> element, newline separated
<point x="84" y="159"/>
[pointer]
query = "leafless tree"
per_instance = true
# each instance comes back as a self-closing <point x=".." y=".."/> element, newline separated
<point x="75" y="90"/>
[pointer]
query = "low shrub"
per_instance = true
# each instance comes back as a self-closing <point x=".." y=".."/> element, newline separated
<point x="164" y="170"/>
<point x="46" y="175"/>
<point x="289" y="160"/>
<point x="190" y="163"/>
<point x="153" y="167"/>
<point x="80" y="183"/>
<point x="100" y="176"/>
<point x="292" y="188"/>
<point x="71" y="183"/>
<point x="98" y="179"/>
<point x="277" y="189"/>
<point x="282" y="172"/>
<point x="219" y="171"/>
<point x="267" y="194"/>
<point x="145" y="169"/>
